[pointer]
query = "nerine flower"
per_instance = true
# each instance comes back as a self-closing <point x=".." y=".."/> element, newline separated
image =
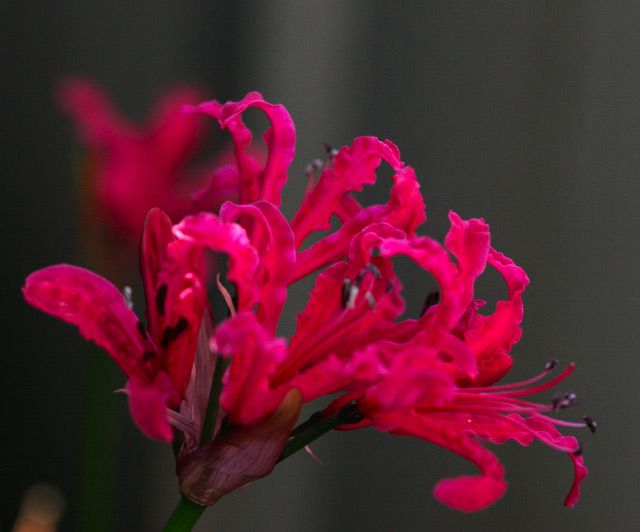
<point x="434" y="377"/>
<point x="131" y="167"/>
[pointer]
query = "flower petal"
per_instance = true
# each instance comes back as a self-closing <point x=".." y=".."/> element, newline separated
<point x="174" y="134"/>
<point x="98" y="121"/>
<point x="148" y="403"/>
<point x="353" y="167"/>
<point x="256" y="182"/>
<point x="208" y="230"/>
<point x="274" y="241"/>
<point x="98" y="309"/>
<point x="465" y="493"/>
<point x="247" y="395"/>
<point x="492" y="337"/>
<point x="156" y="236"/>
<point x="173" y="277"/>
<point x="185" y="300"/>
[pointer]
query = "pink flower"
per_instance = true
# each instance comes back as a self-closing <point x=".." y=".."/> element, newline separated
<point x="434" y="377"/>
<point x="132" y="168"/>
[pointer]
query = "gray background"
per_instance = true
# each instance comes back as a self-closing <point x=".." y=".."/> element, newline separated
<point x="525" y="113"/>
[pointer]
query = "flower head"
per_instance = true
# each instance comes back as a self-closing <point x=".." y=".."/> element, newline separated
<point x="434" y="377"/>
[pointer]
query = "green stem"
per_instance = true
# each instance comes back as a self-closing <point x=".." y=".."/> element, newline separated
<point x="184" y="517"/>
<point x="214" y="400"/>
<point x="318" y="425"/>
<point x="97" y="456"/>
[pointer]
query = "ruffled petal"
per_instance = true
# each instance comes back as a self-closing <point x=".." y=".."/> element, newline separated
<point x="492" y="337"/>
<point x="98" y="309"/>
<point x="273" y="239"/>
<point x="156" y="236"/>
<point x="334" y="374"/>
<point x="173" y="276"/>
<point x="464" y="493"/>
<point x="469" y="241"/>
<point x="247" y="395"/>
<point x="222" y="184"/>
<point x="350" y="302"/>
<point x="542" y="429"/>
<point x="208" y="230"/>
<point x="353" y="167"/>
<point x="148" y="403"/>
<point x="258" y="182"/>
<point x="185" y="299"/>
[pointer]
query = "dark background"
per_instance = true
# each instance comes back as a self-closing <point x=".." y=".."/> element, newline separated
<point x="525" y="113"/>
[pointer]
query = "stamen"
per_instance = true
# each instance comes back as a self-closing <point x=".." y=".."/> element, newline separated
<point x="564" y="400"/>
<point x="372" y="268"/>
<point x="591" y="424"/>
<point x="370" y="299"/>
<point x="542" y="387"/>
<point x="331" y="151"/>
<point x="127" y="292"/>
<point x="349" y="294"/>
<point x="499" y="388"/>
<point x="551" y="364"/>
<point x="226" y="295"/>
<point x="161" y="297"/>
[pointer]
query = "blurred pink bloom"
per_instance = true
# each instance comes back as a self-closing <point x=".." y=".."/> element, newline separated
<point x="135" y="167"/>
<point x="433" y="377"/>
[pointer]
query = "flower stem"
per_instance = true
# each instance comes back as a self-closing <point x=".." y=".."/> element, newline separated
<point x="213" y="406"/>
<point x="99" y="432"/>
<point x="184" y="517"/>
<point x="317" y="425"/>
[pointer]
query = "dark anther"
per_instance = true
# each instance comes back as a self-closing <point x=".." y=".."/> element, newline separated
<point x="171" y="333"/>
<point x="312" y="167"/>
<point x="330" y="150"/>
<point x="368" y="268"/>
<point x="433" y="298"/>
<point x="141" y="330"/>
<point x="579" y="450"/>
<point x="346" y="292"/>
<point x="370" y="299"/>
<point x="372" y="268"/>
<point x="161" y="296"/>
<point x="564" y="400"/>
<point x="148" y="355"/>
<point x="551" y="364"/>
<point x="593" y="426"/>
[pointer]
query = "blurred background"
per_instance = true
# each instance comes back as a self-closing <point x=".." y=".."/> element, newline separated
<point x="525" y="113"/>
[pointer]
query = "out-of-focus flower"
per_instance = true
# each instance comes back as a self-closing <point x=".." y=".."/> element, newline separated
<point x="433" y="377"/>
<point x="131" y="168"/>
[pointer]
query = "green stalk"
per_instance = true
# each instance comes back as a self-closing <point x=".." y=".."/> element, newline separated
<point x="318" y="425"/>
<point x="184" y="517"/>
<point x="214" y="400"/>
<point x="97" y="454"/>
